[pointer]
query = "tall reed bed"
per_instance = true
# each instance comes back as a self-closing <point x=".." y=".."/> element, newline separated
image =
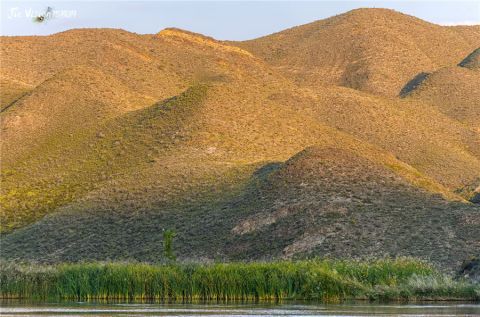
<point x="315" y="279"/>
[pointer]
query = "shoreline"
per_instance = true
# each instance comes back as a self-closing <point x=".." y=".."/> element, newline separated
<point x="357" y="300"/>
<point x="399" y="280"/>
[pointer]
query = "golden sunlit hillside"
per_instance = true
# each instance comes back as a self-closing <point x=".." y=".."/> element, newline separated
<point x="455" y="92"/>
<point x="373" y="50"/>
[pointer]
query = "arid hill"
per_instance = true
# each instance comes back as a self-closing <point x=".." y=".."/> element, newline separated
<point x="373" y="50"/>
<point x="110" y="137"/>
<point x="313" y="195"/>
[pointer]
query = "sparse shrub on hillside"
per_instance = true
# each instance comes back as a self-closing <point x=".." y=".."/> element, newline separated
<point x="168" y="236"/>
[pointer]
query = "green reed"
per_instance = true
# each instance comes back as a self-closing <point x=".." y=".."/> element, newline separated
<point x="329" y="280"/>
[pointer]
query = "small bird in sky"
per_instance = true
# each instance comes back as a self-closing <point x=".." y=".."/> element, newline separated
<point x="44" y="17"/>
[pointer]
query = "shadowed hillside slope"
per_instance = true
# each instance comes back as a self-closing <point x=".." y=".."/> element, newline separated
<point x="472" y="61"/>
<point x="312" y="197"/>
<point x="373" y="50"/>
<point x="329" y="201"/>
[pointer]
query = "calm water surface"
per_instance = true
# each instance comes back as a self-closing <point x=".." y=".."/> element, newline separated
<point x="70" y="309"/>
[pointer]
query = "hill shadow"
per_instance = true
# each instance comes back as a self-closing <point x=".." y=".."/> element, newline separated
<point x="413" y="84"/>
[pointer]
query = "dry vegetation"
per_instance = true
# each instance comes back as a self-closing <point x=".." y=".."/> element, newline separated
<point x="108" y="137"/>
<point x="455" y="92"/>
<point x="376" y="51"/>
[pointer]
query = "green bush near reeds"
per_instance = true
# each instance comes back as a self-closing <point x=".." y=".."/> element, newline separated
<point x="315" y="279"/>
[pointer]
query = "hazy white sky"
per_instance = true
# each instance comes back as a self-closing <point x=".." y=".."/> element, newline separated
<point x="234" y="20"/>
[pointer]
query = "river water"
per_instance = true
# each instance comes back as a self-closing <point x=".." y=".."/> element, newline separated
<point x="81" y="309"/>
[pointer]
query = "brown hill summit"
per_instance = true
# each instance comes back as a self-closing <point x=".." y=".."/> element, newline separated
<point x="373" y="50"/>
<point x="108" y="137"/>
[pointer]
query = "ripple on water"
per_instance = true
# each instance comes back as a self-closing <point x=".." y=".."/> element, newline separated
<point x="82" y="309"/>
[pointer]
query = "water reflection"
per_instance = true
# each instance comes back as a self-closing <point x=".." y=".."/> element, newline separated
<point x="19" y="308"/>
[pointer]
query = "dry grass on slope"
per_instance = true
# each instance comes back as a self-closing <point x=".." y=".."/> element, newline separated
<point x="455" y="91"/>
<point x="51" y="136"/>
<point x="229" y="133"/>
<point x="61" y="171"/>
<point x="469" y="33"/>
<point x="82" y="73"/>
<point x="11" y="91"/>
<point x="329" y="201"/>
<point x="63" y="109"/>
<point x="232" y="137"/>
<point x="131" y="58"/>
<point x="187" y="163"/>
<point x="190" y="38"/>
<point x="159" y="66"/>
<point x="417" y="134"/>
<point x="373" y="50"/>
<point x="310" y="205"/>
